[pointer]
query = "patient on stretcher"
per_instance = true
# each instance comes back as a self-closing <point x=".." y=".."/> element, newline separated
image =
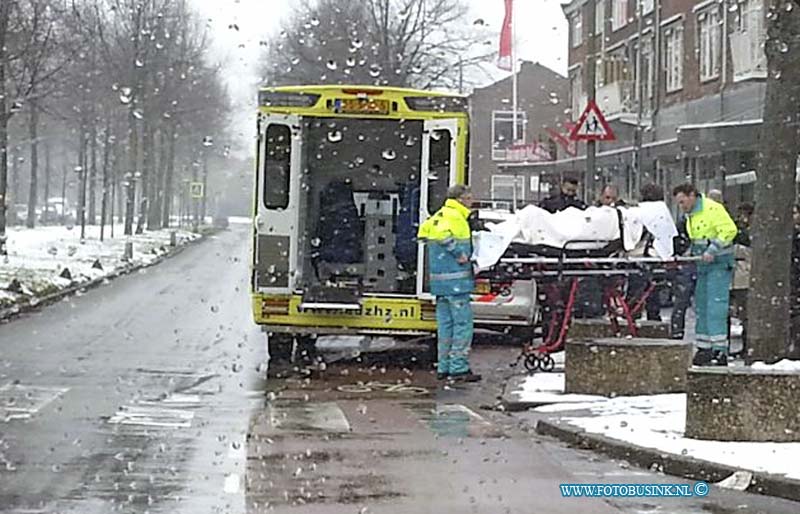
<point x="593" y="232"/>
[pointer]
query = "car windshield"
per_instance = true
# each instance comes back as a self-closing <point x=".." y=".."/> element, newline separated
<point x="399" y="256"/>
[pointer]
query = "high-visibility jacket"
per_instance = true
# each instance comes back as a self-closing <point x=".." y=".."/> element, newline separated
<point x="449" y="239"/>
<point x="710" y="228"/>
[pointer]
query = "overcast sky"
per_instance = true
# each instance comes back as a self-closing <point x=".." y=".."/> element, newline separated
<point x="541" y="36"/>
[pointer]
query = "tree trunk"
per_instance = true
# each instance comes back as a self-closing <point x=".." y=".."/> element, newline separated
<point x="156" y="183"/>
<point x="106" y="159"/>
<point x="15" y="175"/>
<point x="147" y="173"/>
<point x="33" y="131"/>
<point x="769" y="297"/>
<point x="130" y="175"/>
<point x="203" y="202"/>
<point x="82" y="176"/>
<point x="5" y="12"/>
<point x="170" y="172"/>
<point x="47" y="174"/>
<point x="92" y="217"/>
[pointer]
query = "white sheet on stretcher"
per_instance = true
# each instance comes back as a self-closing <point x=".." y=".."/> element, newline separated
<point x="535" y="226"/>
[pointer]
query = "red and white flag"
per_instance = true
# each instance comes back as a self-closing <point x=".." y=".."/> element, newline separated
<point x="504" y="57"/>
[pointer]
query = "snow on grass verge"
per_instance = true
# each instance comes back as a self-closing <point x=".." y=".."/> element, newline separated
<point x="659" y="421"/>
<point x="38" y="257"/>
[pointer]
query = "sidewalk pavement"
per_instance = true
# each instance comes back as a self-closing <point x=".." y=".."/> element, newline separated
<point x="647" y="431"/>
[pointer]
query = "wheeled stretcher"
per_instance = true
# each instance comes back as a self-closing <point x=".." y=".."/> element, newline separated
<point x="559" y="281"/>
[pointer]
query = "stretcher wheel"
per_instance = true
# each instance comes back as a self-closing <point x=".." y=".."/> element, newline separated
<point x="532" y="362"/>
<point x="547" y="363"/>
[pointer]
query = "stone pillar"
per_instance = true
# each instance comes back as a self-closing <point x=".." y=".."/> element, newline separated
<point x="743" y="404"/>
<point x="626" y="366"/>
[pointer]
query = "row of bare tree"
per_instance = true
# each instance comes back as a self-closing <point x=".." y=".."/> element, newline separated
<point x="122" y="93"/>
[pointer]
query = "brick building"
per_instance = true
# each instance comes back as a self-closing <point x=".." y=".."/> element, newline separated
<point x="542" y="97"/>
<point x="696" y="91"/>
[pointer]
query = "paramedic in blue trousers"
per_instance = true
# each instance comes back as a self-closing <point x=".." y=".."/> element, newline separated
<point x="711" y="231"/>
<point x="449" y="239"/>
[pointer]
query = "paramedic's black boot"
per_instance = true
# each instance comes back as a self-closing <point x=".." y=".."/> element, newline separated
<point x="467" y="376"/>
<point x="703" y="357"/>
<point x="720" y="358"/>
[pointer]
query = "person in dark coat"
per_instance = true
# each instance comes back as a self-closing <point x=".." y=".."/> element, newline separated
<point x="340" y="231"/>
<point x="609" y="197"/>
<point x="683" y="282"/>
<point x="566" y="197"/>
<point x="744" y="216"/>
<point x="794" y="346"/>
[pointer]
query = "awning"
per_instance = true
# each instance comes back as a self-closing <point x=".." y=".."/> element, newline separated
<point x="578" y="164"/>
<point x="748" y="177"/>
<point x="717" y="137"/>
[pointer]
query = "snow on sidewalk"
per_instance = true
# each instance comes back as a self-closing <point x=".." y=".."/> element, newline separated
<point x="659" y="421"/>
<point x="36" y="257"/>
<point x="547" y="387"/>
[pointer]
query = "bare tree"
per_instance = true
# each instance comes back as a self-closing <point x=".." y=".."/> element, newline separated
<point x="415" y="43"/>
<point x="769" y="297"/>
<point x="139" y="93"/>
<point x="5" y="13"/>
<point x="27" y="48"/>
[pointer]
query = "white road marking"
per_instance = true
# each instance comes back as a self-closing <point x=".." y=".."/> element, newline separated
<point x="150" y="415"/>
<point x="453" y="408"/>
<point x="325" y="416"/>
<point x="23" y="401"/>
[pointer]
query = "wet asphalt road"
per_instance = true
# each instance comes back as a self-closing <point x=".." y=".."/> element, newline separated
<point x="135" y="396"/>
<point x="146" y="396"/>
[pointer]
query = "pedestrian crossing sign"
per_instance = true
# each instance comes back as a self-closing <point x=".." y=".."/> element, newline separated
<point x="196" y="189"/>
<point x="592" y="126"/>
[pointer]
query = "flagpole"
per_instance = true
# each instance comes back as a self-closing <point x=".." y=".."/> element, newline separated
<point x="514" y="74"/>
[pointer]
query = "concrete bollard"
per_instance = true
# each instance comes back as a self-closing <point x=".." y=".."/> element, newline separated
<point x="173" y="238"/>
<point x="626" y="367"/>
<point x="743" y="404"/>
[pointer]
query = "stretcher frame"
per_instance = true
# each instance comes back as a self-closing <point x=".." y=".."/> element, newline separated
<point x="565" y="272"/>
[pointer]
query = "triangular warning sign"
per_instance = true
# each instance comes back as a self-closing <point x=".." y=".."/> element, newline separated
<point x="592" y="126"/>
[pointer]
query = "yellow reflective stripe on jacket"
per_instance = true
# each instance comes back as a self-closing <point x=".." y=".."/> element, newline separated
<point x="450" y="222"/>
<point x="711" y="222"/>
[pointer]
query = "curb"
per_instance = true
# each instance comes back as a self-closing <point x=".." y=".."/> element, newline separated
<point x="9" y="313"/>
<point x="677" y="465"/>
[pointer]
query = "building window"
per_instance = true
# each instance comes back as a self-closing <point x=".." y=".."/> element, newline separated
<point x="576" y="25"/>
<point x="647" y="6"/>
<point x="503" y="131"/>
<point x="619" y="14"/>
<point x="747" y="41"/>
<point x="508" y="188"/>
<point x="600" y="17"/>
<point x="576" y="92"/>
<point x="709" y="37"/>
<point x="648" y="63"/>
<point x="673" y="57"/>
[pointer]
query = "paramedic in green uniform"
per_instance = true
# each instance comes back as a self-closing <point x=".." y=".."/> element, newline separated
<point x="449" y="239"/>
<point x="711" y="231"/>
